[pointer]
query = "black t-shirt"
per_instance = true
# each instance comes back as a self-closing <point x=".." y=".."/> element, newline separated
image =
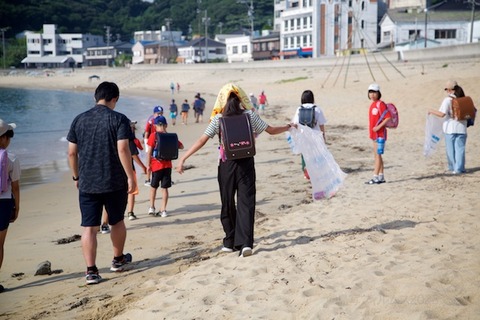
<point x="96" y="133"/>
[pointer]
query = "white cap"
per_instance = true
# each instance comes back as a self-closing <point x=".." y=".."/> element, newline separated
<point x="4" y="127"/>
<point x="374" y="87"/>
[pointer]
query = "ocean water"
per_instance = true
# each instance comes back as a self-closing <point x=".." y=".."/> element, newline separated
<point x="43" y="118"/>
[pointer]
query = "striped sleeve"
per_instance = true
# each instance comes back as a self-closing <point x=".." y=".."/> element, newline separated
<point x="213" y="127"/>
<point x="258" y="124"/>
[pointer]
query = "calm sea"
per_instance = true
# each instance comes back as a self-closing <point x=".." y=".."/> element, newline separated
<point x="43" y="118"/>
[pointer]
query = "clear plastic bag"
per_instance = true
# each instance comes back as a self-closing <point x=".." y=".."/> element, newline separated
<point x="433" y="134"/>
<point x="325" y="174"/>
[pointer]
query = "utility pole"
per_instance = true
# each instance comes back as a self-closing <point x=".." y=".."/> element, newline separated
<point x="3" y="44"/>
<point x="249" y="13"/>
<point x="472" y="19"/>
<point x="206" y="20"/>
<point x="108" y="44"/>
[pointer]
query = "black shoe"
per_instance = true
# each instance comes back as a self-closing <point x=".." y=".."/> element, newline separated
<point x="374" y="181"/>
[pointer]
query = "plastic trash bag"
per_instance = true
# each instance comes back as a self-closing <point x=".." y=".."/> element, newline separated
<point x="325" y="174"/>
<point x="433" y="134"/>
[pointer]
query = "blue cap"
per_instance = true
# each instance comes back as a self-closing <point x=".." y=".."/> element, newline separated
<point x="160" y="120"/>
<point x="157" y="109"/>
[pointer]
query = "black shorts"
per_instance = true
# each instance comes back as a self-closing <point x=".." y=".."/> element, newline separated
<point x="164" y="176"/>
<point x="92" y="204"/>
<point x="6" y="209"/>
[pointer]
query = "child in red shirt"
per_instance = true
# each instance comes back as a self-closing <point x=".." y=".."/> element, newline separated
<point x="161" y="170"/>
<point x="377" y="130"/>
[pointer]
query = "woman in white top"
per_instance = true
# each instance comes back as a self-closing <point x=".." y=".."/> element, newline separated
<point x="455" y="130"/>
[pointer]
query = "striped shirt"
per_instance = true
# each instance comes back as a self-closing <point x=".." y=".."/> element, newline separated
<point x="258" y="125"/>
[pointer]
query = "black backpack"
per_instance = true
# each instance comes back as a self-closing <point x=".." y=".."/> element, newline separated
<point x="236" y="137"/>
<point x="166" y="146"/>
<point x="306" y="116"/>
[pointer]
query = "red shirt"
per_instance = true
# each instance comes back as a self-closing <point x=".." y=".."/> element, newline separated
<point x="374" y="113"/>
<point x="156" y="164"/>
<point x="150" y="127"/>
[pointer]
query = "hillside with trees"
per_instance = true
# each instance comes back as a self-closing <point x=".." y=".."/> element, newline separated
<point x="126" y="16"/>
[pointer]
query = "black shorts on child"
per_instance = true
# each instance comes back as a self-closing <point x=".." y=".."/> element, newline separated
<point x="162" y="178"/>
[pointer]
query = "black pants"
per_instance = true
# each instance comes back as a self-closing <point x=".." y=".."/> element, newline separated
<point x="237" y="177"/>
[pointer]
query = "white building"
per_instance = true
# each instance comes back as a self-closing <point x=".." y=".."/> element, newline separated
<point x="199" y="50"/>
<point x="318" y="28"/>
<point x="49" y="49"/>
<point x="158" y="35"/>
<point x="239" y="49"/>
<point x="438" y="27"/>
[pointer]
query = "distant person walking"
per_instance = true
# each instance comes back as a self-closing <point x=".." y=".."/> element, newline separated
<point x="199" y="107"/>
<point x="455" y="130"/>
<point x="9" y="185"/>
<point x="236" y="178"/>
<point x="101" y="165"/>
<point x="173" y="112"/>
<point x="185" y="109"/>
<point x="262" y="101"/>
<point x="172" y="88"/>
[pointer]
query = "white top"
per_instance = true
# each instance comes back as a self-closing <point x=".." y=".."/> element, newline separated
<point x="450" y="125"/>
<point x="319" y="117"/>
<point x="13" y="175"/>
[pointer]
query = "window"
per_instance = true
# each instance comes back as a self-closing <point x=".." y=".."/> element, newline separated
<point x="363" y="24"/>
<point x="244" y="48"/>
<point x="292" y="24"/>
<point x="446" y="34"/>
<point x="413" y="34"/>
<point x="235" y="49"/>
<point x="305" y="22"/>
<point x="298" y="24"/>
<point x="286" y="25"/>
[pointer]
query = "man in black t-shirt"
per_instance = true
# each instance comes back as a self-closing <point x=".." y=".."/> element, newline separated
<point x="101" y="164"/>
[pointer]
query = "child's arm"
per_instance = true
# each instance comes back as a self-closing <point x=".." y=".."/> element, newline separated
<point x="137" y="159"/>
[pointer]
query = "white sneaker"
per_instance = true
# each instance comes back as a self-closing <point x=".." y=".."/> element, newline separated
<point x="147" y="183"/>
<point x="164" y="214"/>
<point x="226" y="249"/>
<point x="246" y="251"/>
<point x="151" y="211"/>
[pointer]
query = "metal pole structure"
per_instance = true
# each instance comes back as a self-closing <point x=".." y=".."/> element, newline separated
<point x="472" y="21"/>
<point x="3" y="44"/>
<point x="108" y="44"/>
<point x="425" y="33"/>
<point x="206" y="20"/>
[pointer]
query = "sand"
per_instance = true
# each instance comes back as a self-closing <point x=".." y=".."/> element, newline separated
<point x="406" y="249"/>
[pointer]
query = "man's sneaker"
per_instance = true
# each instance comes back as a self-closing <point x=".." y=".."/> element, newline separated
<point x="164" y="214"/>
<point x="132" y="216"/>
<point x="105" y="229"/>
<point x="119" y="266"/>
<point x="92" y="277"/>
<point x="147" y="183"/>
<point x="246" y="251"/>
<point x="151" y="211"/>
<point x="227" y="249"/>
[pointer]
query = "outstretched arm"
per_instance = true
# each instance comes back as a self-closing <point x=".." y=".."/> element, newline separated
<point x="196" y="146"/>
<point x="277" y="130"/>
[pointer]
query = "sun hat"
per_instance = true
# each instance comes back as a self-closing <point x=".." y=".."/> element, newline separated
<point x="160" y="120"/>
<point x="374" y="87"/>
<point x="4" y="127"/>
<point x="157" y="109"/>
<point x="451" y="84"/>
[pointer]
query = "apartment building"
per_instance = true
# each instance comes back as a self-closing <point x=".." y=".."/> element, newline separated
<point x="51" y="50"/>
<point x="316" y="28"/>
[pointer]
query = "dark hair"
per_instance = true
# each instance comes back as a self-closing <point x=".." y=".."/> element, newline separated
<point x="458" y="91"/>
<point x="379" y="94"/>
<point x="106" y="91"/>
<point x="233" y="106"/>
<point x="307" y="97"/>
<point x="8" y="134"/>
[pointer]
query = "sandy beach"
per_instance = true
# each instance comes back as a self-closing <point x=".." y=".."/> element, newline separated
<point x="406" y="249"/>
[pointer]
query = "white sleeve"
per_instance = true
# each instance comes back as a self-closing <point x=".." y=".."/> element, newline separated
<point x="295" y="117"/>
